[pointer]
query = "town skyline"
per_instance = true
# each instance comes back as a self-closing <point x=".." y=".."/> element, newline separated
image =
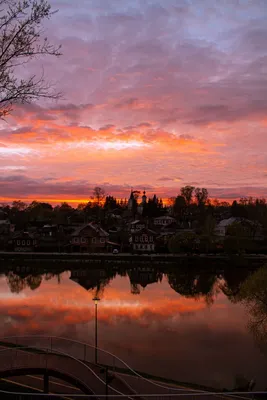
<point x="156" y="95"/>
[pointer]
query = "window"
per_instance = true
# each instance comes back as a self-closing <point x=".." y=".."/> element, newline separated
<point x="151" y="238"/>
<point x="146" y="238"/>
<point x="94" y="240"/>
<point x="83" y="240"/>
<point x="136" y="238"/>
<point x="28" y="242"/>
<point x="141" y="239"/>
<point x="102" y="240"/>
<point x="18" y="242"/>
<point x="23" y="242"/>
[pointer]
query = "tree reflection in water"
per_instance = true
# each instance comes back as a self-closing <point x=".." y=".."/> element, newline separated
<point x="238" y="284"/>
<point x="196" y="285"/>
<point x="17" y="282"/>
<point x="253" y="294"/>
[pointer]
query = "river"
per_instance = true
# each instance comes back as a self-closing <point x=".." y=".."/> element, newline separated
<point x="175" y="324"/>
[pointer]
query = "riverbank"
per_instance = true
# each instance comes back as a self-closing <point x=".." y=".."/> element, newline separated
<point x="128" y="259"/>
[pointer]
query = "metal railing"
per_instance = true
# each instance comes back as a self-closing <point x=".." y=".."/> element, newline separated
<point x="84" y="353"/>
<point x="42" y="358"/>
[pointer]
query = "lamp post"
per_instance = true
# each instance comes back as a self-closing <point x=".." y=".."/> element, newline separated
<point x="96" y="300"/>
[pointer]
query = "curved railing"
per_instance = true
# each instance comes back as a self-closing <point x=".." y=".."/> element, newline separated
<point x="16" y="363"/>
<point x="86" y="352"/>
<point x="44" y="360"/>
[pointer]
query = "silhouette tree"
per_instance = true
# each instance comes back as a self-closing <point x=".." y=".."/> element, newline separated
<point x="201" y="196"/>
<point x="208" y="232"/>
<point x="187" y="193"/>
<point x="18" y="205"/>
<point x="179" y="206"/>
<point x="98" y="195"/>
<point x="110" y="203"/>
<point x="181" y="242"/>
<point x="33" y="282"/>
<point x="20" y="43"/>
<point x="15" y="283"/>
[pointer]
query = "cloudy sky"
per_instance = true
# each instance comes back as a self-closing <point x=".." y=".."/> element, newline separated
<point x="157" y="94"/>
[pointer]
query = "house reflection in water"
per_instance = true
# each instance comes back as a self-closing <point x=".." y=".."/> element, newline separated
<point x="143" y="277"/>
<point x="97" y="279"/>
<point x="91" y="279"/>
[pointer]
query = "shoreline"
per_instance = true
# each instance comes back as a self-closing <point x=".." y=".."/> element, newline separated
<point x="106" y="259"/>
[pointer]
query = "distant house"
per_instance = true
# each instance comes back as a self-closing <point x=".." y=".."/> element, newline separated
<point x="255" y="227"/>
<point x="163" y="220"/>
<point x="23" y="241"/>
<point x="137" y="225"/>
<point x="89" y="238"/>
<point x="6" y="227"/>
<point x="143" y="241"/>
<point x="171" y="228"/>
<point x="49" y="230"/>
<point x="221" y="228"/>
<point x="163" y="240"/>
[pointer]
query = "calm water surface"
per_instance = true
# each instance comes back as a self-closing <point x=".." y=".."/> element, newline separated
<point x="155" y="326"/>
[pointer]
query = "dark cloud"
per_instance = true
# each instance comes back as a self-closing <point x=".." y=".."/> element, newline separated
<point x="127" y="103"/>
<point x="69" y="111"/>
<point x="22" y="130"/>
<point x="186" y="137"/>
<point x="107" y="127"/>
<point x="22" y="186"/>
<point x="144" y="125"/>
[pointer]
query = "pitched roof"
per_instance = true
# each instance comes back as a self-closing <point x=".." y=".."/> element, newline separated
<point x="167" y="217"/>
<point x="23" y="235"/>
<point x="228" y="221"/>
<point x="137" y="221"/>
<point x="97" y="230"/>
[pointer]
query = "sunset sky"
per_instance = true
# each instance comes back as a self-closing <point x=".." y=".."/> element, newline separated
<point x="157" y="94"/>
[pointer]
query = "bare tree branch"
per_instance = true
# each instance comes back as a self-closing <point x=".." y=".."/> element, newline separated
<point x="20" y="42"/>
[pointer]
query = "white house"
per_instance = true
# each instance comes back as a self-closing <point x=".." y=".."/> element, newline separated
<point x="164" y="220"/>
<point x="222" y="226"/>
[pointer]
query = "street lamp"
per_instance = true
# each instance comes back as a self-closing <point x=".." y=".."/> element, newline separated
<point x="96" y="300"/>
